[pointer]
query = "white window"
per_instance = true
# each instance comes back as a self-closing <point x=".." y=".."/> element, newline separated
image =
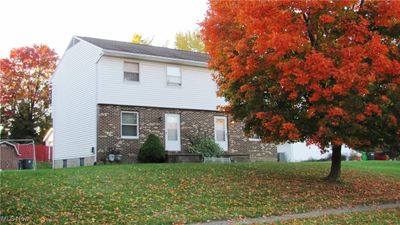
<point x="174" y="75"/>
<point x="129" y="125"/>
<point x="131" y="71"/>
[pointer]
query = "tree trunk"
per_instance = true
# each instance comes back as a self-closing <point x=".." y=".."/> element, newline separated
<point x="334" y="175"/>
<point x="394" y="153"/>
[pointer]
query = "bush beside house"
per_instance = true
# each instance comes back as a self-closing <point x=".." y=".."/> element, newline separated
<point x="206" y="147"/>
<point x="152" y="150"/>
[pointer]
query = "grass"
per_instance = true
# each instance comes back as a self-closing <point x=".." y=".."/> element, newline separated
<point x="43" y="165"/>
<point x="176" y="193"/>
<point x="384" y="216"/>
<point x="384" y="168"/>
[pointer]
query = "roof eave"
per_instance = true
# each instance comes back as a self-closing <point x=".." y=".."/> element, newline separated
<point x="154" y="58"/>
<point x="46" y="136"/>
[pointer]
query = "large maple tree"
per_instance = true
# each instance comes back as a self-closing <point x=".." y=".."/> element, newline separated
<point x="325" y="72"/>
<point x="25" y="91"/>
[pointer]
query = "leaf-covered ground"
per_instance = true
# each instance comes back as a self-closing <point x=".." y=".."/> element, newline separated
<point x="384" y="216"/>
<point x="173" y="193"/>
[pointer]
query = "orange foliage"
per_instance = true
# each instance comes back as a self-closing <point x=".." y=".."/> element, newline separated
<point x="327" y="71"/>
<point x="25" y="85"/>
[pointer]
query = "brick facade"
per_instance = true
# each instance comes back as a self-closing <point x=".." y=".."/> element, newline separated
<point x="151" y="120"/>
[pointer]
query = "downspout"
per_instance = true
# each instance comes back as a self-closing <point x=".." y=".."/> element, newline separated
<point x="97" y="105"/>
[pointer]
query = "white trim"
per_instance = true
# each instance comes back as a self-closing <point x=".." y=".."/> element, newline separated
<point x="137" y="125"/>
<point x="225" y="148"/>
<point x="157" y="106"/>
<point x="253" y="138"/>
<point x="155" y="58"/>
<point x="66" y="50"/>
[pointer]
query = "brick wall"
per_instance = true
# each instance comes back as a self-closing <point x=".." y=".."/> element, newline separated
<point x="151" y="120"/>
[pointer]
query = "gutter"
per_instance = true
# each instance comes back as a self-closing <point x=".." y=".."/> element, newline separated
<point x="154" y="58"/>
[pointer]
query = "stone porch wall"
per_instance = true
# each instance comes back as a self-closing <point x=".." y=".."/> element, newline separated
<point x="151" y="120"/>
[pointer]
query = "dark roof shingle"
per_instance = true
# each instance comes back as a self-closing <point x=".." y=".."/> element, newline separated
<point x="146" y="49"/>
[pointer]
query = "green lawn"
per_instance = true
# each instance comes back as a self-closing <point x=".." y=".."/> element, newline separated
<point x="389" y="168"/>
<point x="173" y="193"/>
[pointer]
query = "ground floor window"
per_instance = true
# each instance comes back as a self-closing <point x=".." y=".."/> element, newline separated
<point x="129" y="125"/>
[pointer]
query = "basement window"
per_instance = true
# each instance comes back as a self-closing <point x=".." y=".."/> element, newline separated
<point x="131" y="71"/>
<point x="81" y="161"/>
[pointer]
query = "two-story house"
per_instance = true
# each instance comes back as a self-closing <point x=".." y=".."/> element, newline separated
<point x="111" y="94"/>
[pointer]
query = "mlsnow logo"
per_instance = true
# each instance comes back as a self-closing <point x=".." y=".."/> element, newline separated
<point x="11" y="218"/>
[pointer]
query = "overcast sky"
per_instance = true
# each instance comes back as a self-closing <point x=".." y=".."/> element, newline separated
<point x="54" y="22"/>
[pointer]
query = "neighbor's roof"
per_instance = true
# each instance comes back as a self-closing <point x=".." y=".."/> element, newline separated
<point x="146" y="49"/>
<point x="10" y="144"/>
<point x="47" y="135"/>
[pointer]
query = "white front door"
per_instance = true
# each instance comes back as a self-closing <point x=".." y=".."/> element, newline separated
<point x="172" y="132"/>
<point x="220" y="132"/>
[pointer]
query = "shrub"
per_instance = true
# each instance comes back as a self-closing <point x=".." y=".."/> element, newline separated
<point x="152" y="151"/>
<point x="206" y="147"/>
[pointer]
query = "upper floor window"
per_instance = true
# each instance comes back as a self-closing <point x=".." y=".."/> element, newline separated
<point x="131" y="71"/>
<point x="129" y="125"/>
<point x="174" y="75"/>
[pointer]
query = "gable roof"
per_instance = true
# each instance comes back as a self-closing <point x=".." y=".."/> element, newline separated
<point x="128" y="47"/>
<point x="11" y="145"/>
<point x="48" y="134"/>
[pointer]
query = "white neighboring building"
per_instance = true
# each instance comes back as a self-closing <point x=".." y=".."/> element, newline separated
<point x="298" y="152"/>
<point x="48" y="138"/>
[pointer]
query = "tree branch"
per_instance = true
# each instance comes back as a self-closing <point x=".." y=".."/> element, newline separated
<point x="307" y="19"/>
<point x="361" y="3"/>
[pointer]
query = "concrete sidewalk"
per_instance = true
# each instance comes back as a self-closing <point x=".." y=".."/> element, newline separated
<point x="311" y="214"/>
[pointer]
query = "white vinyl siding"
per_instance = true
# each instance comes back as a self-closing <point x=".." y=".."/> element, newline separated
<point x="131" y="71"/>
<point x="129" y="125"/>
<point x="174" y="76"/>
<point x="198" y="90"/>
<point x="74" y="103"/>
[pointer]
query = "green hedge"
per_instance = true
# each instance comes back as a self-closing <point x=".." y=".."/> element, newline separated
<point x="206" y="147"/>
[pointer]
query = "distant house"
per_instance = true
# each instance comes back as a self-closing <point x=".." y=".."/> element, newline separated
<point x="48" y="138"/>
<point x="48" y="141"/>
<point x="299" y="152"/>
<point x="112" y="95"/>
<point x="9" y="156"/>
